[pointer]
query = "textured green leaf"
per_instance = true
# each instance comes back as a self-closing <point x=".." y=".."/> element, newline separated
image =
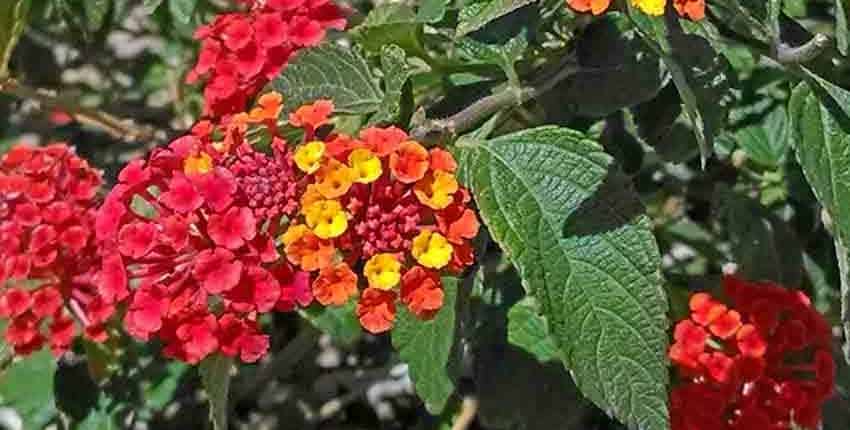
<point x="182" y="10"/>
<point x="822" y="132"/>
<point x="476" y="15"/>
<point x="767" y="142"/>
<point x="763" y="245"/>
<point x="390" y="23"/>
<point x="330" y="72"/>
<point x="701" y="75"/>
<point x="575" y="229"/>
<point x="426" y="347"/>
<point x="13" y="16"/>
<point x="215" y="376"/>
<point x="340" y="322"/>
<point x="27" y="387"/>
<point x="150" y="6"/>
<point x="503" y="55"/>
<point x="396" y="71"/>
<point x="432" y="11"/>
<point x="96" y="11"/>
<point x="528" y="330"/>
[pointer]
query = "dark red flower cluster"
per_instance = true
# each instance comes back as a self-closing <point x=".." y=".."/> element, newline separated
<point x="242" y="51"/>
<point x="766" y="364"/>
<point x="194" y="226"/>
<point x="48" y="259"/>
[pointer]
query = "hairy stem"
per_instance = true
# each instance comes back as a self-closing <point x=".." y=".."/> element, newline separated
<point x="483" y="108"/>
<point x="785" y="54"/>
<point x="118" y="128"/>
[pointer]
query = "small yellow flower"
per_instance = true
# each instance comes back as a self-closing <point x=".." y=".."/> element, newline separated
<point x="383" y="271"/>
<point x="293" y="234"/>
<point x="326" y="218"/>
<point x="431" y="249"/>
<point x="197" y="164"/>
<point x="308" y="157"/>
<point x="651" y="7"/>
<point x="334" y="179"/>
<point x="366" y="165"/>
<point x="436" y="190"/>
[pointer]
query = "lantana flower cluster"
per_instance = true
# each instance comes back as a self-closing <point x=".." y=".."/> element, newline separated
<point x="764" y="361"/>
<point x="192" y="229"/>
<point x="48" y="259"/>
<point x="242" y="51"/>
<point x="692" y="9"/>
<point x="381" y="216"/>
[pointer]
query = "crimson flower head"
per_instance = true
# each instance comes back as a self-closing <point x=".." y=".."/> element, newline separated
<point x="765" y="363"/>
<point x="242" y="51"/>
<point x="49" y="265"/>
<point x="193" y="227"/>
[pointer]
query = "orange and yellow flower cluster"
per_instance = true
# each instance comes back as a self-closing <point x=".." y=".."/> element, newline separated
<point x="693" y="9"/>
<point x="381" y="214"/>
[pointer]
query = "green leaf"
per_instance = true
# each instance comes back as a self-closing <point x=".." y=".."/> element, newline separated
<point x="822" y="132"/>
<point x="27" y="387"/>
<point x="502" y="55"/>
<point x="426" y="347"/>
<point x="432" y="11"/>
<point x="528" y="330"/>
<point x="767" y="142"/>
<point x="150" y="6"/>
<point x="182" y="10"/>
<point x="476" y="15"/>
<point x="842" y="9"/>
<point x="396" y="71"/>
<point x="390" y="23"/>
<point x="13" y="17"/>
<point x="763" y="245"/>
<point x="701" y="75"/>
<point x="340" y="322"/>
<point x="575" y="229"/>
<point x="215" y="376"/>
<point x="96" y="11"/>
<point x="330" y="72"/>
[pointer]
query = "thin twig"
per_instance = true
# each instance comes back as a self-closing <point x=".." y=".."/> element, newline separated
<point x="118" y="128"/>
<point x="481" y="109"/>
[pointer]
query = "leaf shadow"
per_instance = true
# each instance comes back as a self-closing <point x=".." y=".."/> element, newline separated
<point x="612" y="205"/>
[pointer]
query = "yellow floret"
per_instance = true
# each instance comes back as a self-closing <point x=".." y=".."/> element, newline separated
<point x="326" y="218"/>
<point x="366" y="165"/>
<point x="383" y="271"/>
<point x="308" y="157"/>
<point x="431" y="249"/>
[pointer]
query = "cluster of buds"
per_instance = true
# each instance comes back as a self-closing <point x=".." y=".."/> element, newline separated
<point x="381" y="216"/>
<point x="764" y="364"/>
<point x="692" y="9"/>
<point x="49" y="265"/>
<point x="242" y="51"/>
<point x="194" y="227"/>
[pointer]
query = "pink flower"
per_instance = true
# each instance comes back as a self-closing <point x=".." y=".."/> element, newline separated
<point x="233" y="228"/>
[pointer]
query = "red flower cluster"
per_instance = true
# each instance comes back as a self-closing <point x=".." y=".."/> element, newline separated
<point x="382" y="204"/>
<point x="766" y="364"/>
<point x="242" y="51"/>
<point x="194" y="226"/>
<point x="48" y="260"/>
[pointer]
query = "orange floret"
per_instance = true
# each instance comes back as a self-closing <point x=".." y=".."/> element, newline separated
<point x="335" y="285"/>
<point x="410" y="162"/>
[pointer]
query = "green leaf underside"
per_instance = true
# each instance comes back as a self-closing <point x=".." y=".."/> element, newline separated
<point x="330" y="72"/>
<point x="478" y="14"/>
<point x="215" y="375"/>
<point x="426" y="347"/>
<point x="340" y="322"/>
<point x="396" y="73"/>
<point x="528" y="330"/>
<point x="182" y="10"/>
<point x="822" y="131"/>
<point x="27" y="387"/>
<point x="575" y="230"/>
